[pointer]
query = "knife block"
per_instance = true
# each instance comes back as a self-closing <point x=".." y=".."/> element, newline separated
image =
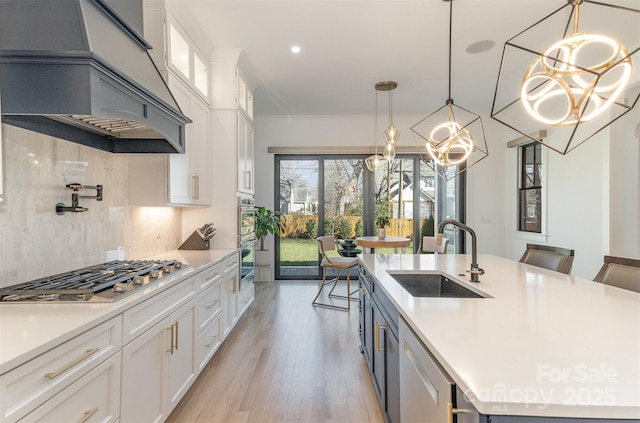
<point x="195" y="242"/>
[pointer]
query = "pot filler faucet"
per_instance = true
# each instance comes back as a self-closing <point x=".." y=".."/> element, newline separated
<point x="75" y="197"/>
<point x="475" y="270"/>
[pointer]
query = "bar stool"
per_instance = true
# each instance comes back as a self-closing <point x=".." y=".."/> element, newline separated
<point x="548" y="257"/>
<point x="621" y="272"/>
<point x="325" y="244"/>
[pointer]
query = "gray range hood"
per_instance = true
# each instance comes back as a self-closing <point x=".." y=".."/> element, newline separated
<point x="77" y="70"/>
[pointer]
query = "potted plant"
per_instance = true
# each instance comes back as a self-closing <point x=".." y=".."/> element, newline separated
<point x="267" y="222"/>
<point x="382" y="221"/>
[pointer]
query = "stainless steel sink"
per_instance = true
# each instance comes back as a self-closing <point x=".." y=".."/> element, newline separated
<point x="433" y="285"/>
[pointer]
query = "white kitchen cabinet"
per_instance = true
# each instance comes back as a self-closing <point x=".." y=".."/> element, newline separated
<point x="189" y="181"/>
<point x="138" y="319"/>
<point x="36" y="381"/>
<point x="229" y="303"/>
<point x="209" y="339"/>
<point x="209" y="305"/>
<point x="209" y="328"/>
<point x="245" y="299"/>
<point x="144" y="370"/>
<point x="182" y="355"/>
<point x="245" y="154"/>
<point x="174" y="50"/>
<point x="158" y="367"/>
<point x="95" y="397"/>
<point x="176" y="179"/>
<point x="233" y="91"/>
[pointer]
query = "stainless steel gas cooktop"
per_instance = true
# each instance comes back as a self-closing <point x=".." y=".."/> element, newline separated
<point x="102" y="283"/>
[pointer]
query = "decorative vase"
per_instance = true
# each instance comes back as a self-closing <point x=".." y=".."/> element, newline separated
<point x="382" y="233"/>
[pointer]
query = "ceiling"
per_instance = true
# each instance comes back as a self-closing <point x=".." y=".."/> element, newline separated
<point x="349" y="45"/>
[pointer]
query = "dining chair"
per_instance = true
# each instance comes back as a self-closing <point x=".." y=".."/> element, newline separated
<point x="430" y="245"/>
<point x="325" y="245"/>
<point x="621" y="272"/>
<point x="552" y="258"/>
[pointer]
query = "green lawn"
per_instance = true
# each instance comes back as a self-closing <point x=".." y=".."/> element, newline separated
<point x="298" y="252"/>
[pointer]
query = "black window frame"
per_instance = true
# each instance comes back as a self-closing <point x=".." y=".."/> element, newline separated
<point x="530" y="188"/>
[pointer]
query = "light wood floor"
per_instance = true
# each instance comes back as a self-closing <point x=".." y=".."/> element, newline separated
<point x="286" y="361"/>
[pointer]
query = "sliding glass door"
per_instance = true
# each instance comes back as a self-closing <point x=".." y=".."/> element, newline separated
<point x="298" y="194"/>
<point x="337" y="195"/>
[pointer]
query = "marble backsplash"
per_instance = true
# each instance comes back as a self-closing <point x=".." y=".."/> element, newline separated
<point x="36" y="242"/>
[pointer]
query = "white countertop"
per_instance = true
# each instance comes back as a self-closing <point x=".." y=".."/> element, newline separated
<point x="28" y="330"/>
<point x="546" y="344"/>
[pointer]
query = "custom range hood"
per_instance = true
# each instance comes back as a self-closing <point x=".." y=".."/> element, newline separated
<point x="79" y="70"/>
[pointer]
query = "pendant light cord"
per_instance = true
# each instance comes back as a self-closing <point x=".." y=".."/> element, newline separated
<point x="450" y="32"/>
<point x="375" y="136"/>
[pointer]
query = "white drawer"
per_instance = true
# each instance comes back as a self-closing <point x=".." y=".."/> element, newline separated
<point x="146" y="314"/>
<point x="229" y="263"/>
<point x="31" y="384"/>
<point x="208" y="277"/>
<point x="245" y="300"/>
<point x="208" y="341"/>
<point x="208" y="305"/>
<point x="95" y="397"/>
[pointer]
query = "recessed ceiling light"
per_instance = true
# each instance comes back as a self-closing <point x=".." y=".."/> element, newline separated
<point x="295" y="49"/>
<point x="480" y="46"/>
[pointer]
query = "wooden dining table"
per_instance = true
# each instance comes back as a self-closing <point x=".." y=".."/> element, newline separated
<point x="370" y="243"/>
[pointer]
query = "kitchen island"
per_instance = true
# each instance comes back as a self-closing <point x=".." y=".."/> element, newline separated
<point x="539" y="343"/>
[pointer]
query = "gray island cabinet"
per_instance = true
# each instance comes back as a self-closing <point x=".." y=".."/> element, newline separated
<point x="533" y="346"/>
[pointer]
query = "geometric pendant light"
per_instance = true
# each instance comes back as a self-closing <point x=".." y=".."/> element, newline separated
<point x="568" y="72"/>
<point x="453" y="136"/>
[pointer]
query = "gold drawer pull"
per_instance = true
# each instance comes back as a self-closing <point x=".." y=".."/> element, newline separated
<point x="73" y="363"/>
<point x="170" y="350"/>
<point x="87" y="414"/>
<point x="211" y="341"/>
<point x="211" y="304"/>
<point x="451" y="411"/>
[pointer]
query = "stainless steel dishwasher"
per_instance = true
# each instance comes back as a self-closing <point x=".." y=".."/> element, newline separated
<point x="427" y="393"/>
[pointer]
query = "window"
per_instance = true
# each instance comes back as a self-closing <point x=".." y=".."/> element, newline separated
<point x="530" y="188"/>
<point x="334" y="194"/>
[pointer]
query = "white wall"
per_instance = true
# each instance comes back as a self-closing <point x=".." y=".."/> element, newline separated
<point x="576" y="205"/>
<point x="486" y="195"/>
<point x="624" y="185"/>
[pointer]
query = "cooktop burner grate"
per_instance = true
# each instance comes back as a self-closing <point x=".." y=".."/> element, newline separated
<point x="83" y="284"/>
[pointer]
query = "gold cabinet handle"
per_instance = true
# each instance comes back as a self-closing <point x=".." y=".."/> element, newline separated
<point x="211" y="304"/>
<point x="170" y="350"/>
<point x="177" y="325"/>
<point x="87" y="414"/>
<point x="379" y="348"/>
<point x="196" y="187"/>
<point x="87" y="353"/>
<point x="211" y="341"/>
<point x="451" y="411"/>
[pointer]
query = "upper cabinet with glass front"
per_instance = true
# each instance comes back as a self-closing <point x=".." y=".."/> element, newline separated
<point x="232" y="81"/>
<point x="174" y="50"/>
